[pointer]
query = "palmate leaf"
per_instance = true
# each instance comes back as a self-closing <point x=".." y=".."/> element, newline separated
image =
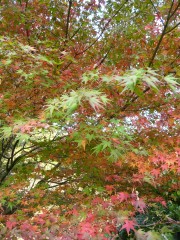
<point x="6" y="131"/>
<point x="95" y="102"/>
<point x="44" y="59"/>
<point x="22" y="137"/>
<point x="152" y="72"/>
<point x="70" y="102"/>
<point x="130" y="80"/>
<point x="7" y="62"/>
<point x="152" y="235"/>
<point x="90" y="76"/>
<point x="107" y="79"/>
<point x="172" y="81"/>
<point x="95" y="98"/>
<point x="151" y="81"/>
<point x="27" y="48"/>
<point x="90" y="137"/>
<point x="102" y="146"/>
<point x="53" y="105"/>
<point x="133" y="79"/>
<point x="115" y="154"/>
<point x="128" y="226"/>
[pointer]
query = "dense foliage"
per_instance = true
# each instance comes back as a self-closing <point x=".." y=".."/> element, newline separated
<point x="89" y="119"/>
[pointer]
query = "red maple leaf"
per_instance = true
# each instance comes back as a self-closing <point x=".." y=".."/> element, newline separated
<point x="160" y="200"/>
<point x="139" y="205"/>
<point x="109" y="228"/>
<point x="106" y="204"/>
<point x="155" y="172"/>
<point x="87" y="228"/>
<point x="117" y="178"/>
<point x="155" y="160"/>
<point x="10" y="224"/>
<point x="123" y="196"/>
<point x="109" y="178"/>
<point x="165" y="166"/>
<point x="128" y="225"/>
<point x="90" y="217"/>
<point x="96" y="201"/>
<point x="138" y="178"/>
<point x="114" y="198"/>
<point x="26" y="226"/>
<point x="109" y="188"/>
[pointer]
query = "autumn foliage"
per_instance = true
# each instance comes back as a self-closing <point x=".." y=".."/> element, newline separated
<point x="89" y="145"/>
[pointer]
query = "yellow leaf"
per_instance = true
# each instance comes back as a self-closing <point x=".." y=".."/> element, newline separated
<point x="83" y="143"/>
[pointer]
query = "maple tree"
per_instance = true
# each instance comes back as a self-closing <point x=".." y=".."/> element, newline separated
<point x="89" y="119"/>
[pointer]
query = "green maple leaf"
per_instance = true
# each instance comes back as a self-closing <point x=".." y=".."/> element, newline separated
<point x="172" y="81"/>
<point x="6" y="131"/>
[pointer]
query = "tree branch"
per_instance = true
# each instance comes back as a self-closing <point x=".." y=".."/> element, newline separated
<point x="103" y="59"/>
<point x="161" y="37"/>
<point x="13" y="150"/>
<point x="154" y="54"/>
<point x="68" y="19"/>
<point x="157" y="11"/>
<point x="176" y="8"/>
<point x="133" y="99"/>
<point x="11" y="164"/>
<point x="103" y="30"/>
<point x="75" y="32"/>
<point x="170" y="30"/>
<point x="96" y="40"/>
<point x="26" y="22"/>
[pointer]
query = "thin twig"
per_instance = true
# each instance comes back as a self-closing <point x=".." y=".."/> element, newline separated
<point x="174" y="11"/>
<point x="161" y="37"/>
<point x="154" y="54"/>
<point x="103" y="30"/>
<point x="74" y="34"/>
<point x="157" y="11"/>
<point x="170" y="30"/>
<point x="103" y="59"/>
<point x="68" y="19"/>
